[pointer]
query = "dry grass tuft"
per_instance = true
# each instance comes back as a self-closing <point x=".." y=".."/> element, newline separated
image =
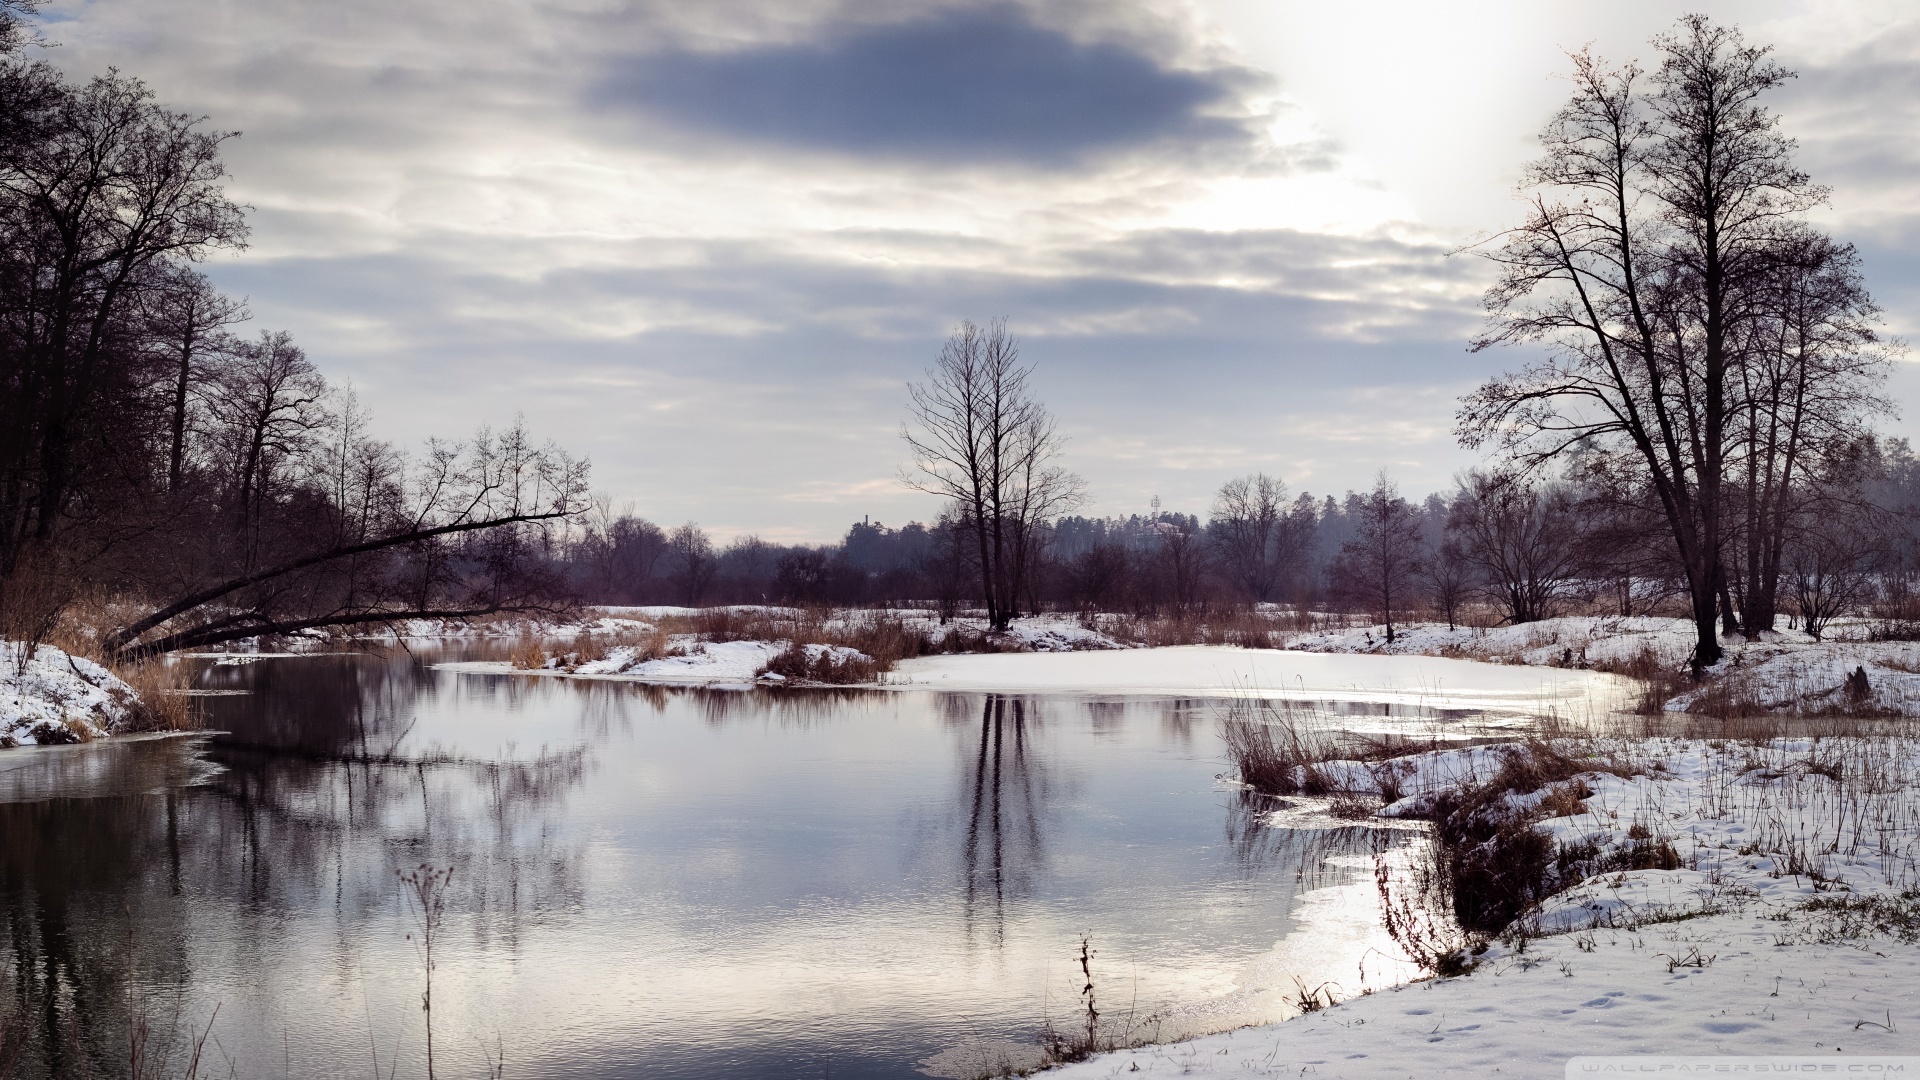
<point x="1659" y="680"/>
<point x="1276" y="745"/>
<point x="1351" y="808"/>
<point x="885" y="638"/>
<point x="1494" y="864"/>
<point x="528" y="653"/>
<point x="162" y="701"/>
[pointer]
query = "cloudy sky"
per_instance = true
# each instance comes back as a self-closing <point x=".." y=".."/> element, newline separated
<point x="707" y="243"/>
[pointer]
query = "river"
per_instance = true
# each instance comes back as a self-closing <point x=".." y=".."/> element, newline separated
<point x="658" y="882"/>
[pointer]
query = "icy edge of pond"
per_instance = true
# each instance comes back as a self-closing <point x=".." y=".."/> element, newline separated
<point x="1228" y="671"/>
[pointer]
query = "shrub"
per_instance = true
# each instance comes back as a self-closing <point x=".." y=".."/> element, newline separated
<point x="1497" y="864"/>
<point x="823" y="664"/>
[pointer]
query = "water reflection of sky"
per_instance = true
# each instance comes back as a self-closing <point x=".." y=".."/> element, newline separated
<point x="687" y="883"/>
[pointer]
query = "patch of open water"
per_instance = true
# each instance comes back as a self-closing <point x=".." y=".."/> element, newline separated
<point x="668" y="883"/>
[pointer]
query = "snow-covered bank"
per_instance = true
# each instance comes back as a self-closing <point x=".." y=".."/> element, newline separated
<point x="742" y="646"/>
<point x="1784" y="671"/>
<point x="1784" y="922"/>
<point x="1608" y="992"/>
<point x="57" y="698"/>
<point x="1573" y="641"/>
<point x="1224" y="671"/>
<point x="695" y="663"/>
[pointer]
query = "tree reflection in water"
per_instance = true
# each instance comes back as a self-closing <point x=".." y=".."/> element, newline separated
<point x="317" y="801"/>
<point x="1003" y="850"/>
<point x="757" y="859"/>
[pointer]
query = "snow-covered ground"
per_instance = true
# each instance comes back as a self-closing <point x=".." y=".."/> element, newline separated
<point x="699" y="663"/>
<point x="1788" y="929"/>
<point x="686" y="659"/>
<point x="57" y="698"/>
<point x="1611" y="992"/>
<point x="1785" y="670"/>
<point x="1575" y="641"/>
<point x="1222" y="671"/>
<point x="1048" y="632"/>
<point x="1058" y="655"/>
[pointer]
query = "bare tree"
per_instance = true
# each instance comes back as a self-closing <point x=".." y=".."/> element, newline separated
<point x="14" y="30"/>
<point x="946" y="565"/>
<point x="749" y="563"/>
<point x="99" y="189"/>
<point x="1656" y="223"/>
<point x="593" y="549"/>
<point x="143" y="451"/>
<point x="638" y="546"/>
<point x="269" y="405"/>
<point x="1096" y="576"/>
<point x="1259" y="540"/>
<point x="1450" y="578"/>
<point x="1523" y="537"/>
<point x="1832" y="570"/>
<point x="1381" y="565"/>
<point x="1183" y="559"/>
<point x="1807" y="383"/>
<point x="694" y="563"/>
<point x="187" y="319"/>
<point x="981" y="440"/>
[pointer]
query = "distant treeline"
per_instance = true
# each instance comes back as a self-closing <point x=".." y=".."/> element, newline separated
<point x="1514" y="549"/>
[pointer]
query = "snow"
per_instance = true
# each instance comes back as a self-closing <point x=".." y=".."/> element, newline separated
<point x="1615" y="992"/>
<point x="704" y="663"/>
<point x="58" y="698"/>
<point x="1722" y="956"/>
<point x="1042" y="633"/>
<point x="436" y="629"/>
<point x="1574" y="641"/>
<point x="1784" y="671"/>
<point x="1810" y="677"/>
<point x="1227" y="671"/>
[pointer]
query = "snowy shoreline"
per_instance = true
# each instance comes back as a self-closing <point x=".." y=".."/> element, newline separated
<point x="52" y="698"/>
<point x="1788" y="927"/>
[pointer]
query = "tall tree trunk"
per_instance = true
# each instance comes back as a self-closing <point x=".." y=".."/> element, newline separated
<point x="176" y="457"/>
